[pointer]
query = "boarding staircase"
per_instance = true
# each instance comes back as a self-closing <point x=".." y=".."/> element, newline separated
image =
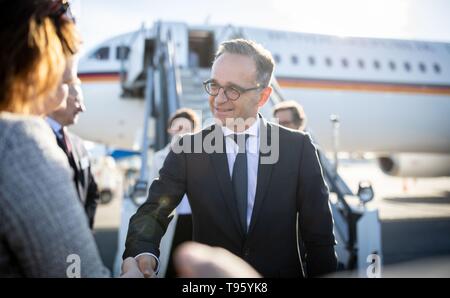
<point x="192" y="94"/>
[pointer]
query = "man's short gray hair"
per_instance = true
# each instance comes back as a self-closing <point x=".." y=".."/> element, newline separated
<point x="262" y="57"/>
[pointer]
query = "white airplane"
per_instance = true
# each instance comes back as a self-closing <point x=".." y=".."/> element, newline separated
<point x="392" y="97"/>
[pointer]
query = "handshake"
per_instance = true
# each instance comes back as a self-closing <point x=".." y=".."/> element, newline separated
<point x="193" y="260"/>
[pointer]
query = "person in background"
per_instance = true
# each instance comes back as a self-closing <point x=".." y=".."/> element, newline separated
<point x="71" y="144"/>
<point x="290" y="114"/>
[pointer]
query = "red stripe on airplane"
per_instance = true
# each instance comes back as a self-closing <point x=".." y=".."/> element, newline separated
<point x="363" y="86"/>
<point x="102" y="77"/>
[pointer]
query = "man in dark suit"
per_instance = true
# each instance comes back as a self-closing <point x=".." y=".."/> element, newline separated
<point x="71" y="144"/>
<point x="245" y="183"/>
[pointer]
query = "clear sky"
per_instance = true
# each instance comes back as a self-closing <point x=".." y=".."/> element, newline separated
<point x="404" y="19"/>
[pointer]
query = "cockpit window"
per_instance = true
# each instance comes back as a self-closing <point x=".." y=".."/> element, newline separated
<point x="101" y="54"/>
<point x="122" y="52"/>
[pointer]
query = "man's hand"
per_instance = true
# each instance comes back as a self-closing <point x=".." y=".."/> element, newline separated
<point x="130" y="269"/>
<point x="194" y="260"/>
<point x="147" y="265"/>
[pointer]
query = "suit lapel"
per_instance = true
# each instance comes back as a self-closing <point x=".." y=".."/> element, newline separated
<point x="220" y="165"/>
<point x="75" y="155"/>
<point x="82" y="168"/>
<point x="78" y="171"/>
<point x="264" y="173"/>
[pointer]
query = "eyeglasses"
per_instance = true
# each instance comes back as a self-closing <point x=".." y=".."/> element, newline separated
<point x="231" y="92"/>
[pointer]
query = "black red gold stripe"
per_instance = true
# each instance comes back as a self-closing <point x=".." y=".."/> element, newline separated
<point x="99" y="77"/>
<point x="313" y="83"/>
<point x="347" y="85"/>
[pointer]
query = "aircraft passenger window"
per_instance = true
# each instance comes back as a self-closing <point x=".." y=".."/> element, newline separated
<point x="437" y="68"/>
<point x="122" y="52"/>
<point x="392" y="65"/>
<point x="376" y="64"/>
<point x="328" y="62"/>
<point x="294" y="60"/>
<point x="277" y="58"/>
<point x="311" y="60"/>
<point x="361" y="63"/>
<point x="407" y="66"/>
<point x="422" y="67"/>
<point x="344" y="62"/>
<point x="101" y="54"/>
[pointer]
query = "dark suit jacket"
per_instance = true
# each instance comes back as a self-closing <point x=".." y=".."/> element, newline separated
<point x="83" y="179"/>
<point x="293" y="184"/>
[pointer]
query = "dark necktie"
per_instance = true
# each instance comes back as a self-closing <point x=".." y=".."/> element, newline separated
<point x="66" y="146"/>
<point x="239" y="178"/>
